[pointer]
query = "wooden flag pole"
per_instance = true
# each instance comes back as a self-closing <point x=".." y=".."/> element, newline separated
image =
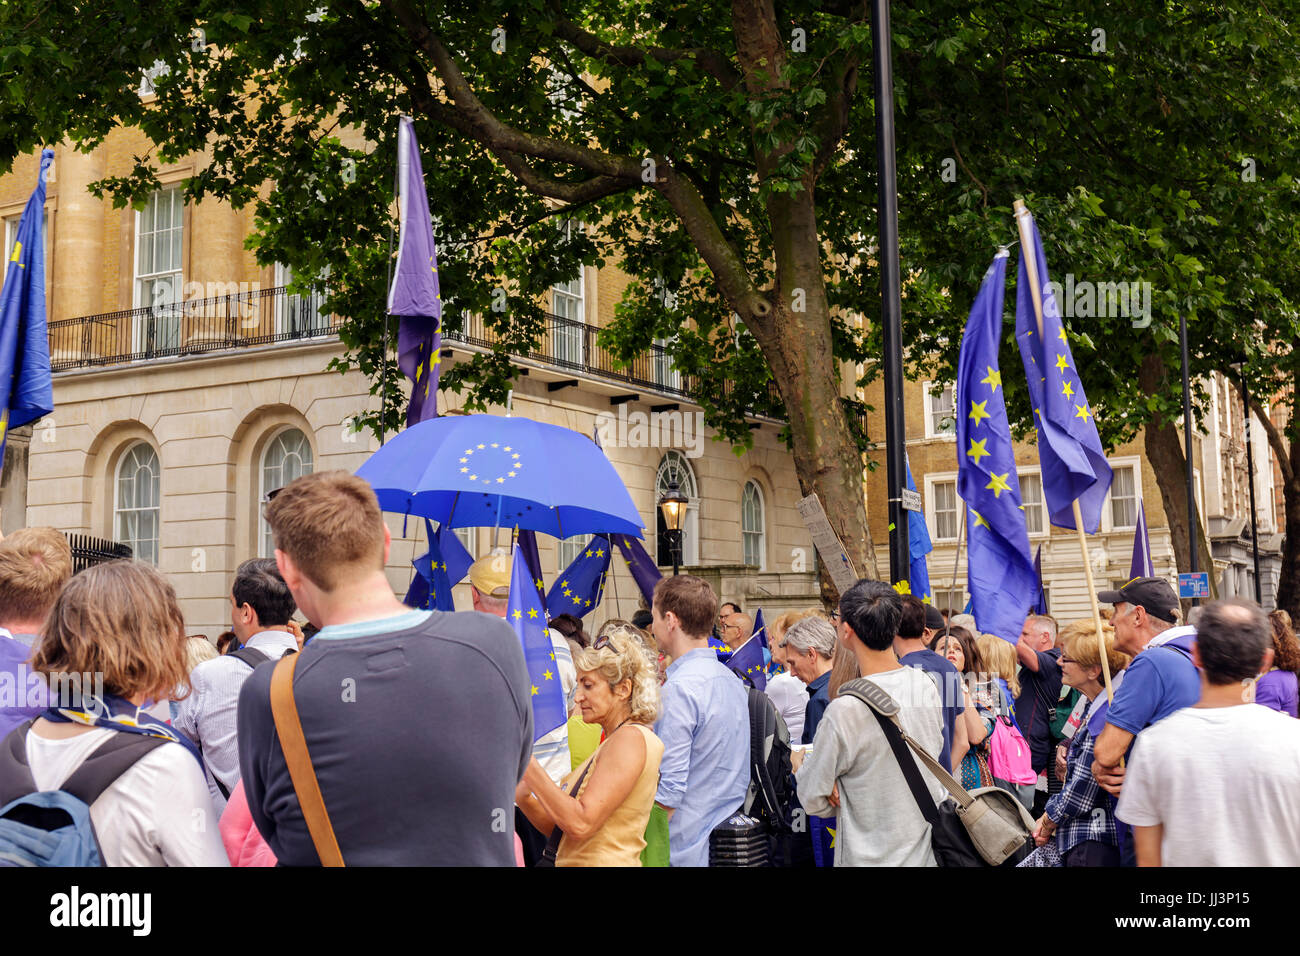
<point x="1031" y="269"/>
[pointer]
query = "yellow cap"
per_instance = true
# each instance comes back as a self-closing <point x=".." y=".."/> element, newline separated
<point x="491" y="574"/>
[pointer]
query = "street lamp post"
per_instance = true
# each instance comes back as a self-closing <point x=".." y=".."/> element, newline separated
<point x="1240" y="368"/>
<point x="673" y="505"/>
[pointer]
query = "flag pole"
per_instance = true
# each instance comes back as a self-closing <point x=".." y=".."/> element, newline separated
<point x="1031" y="269"/>
<point x="956" y="560"/>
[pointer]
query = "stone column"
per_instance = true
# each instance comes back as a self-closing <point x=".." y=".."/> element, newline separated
<point x="77" y="255"/>
<point x="13" y="480"/>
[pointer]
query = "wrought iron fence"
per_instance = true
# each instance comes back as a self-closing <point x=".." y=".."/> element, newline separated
<point x="88" y="551"/>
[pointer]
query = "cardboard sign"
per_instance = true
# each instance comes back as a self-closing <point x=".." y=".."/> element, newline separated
<point x="827" y="542"/>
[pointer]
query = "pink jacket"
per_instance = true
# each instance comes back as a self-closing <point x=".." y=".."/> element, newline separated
<point x="244" y="844"/>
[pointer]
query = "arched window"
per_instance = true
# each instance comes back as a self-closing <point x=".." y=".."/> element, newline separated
<point x="135" y="501"/>
<point x="287" y="456"/>
<point x="674" y="467"/>
<point x="752" y="526"/>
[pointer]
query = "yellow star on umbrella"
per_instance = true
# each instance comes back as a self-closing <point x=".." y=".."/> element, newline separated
<point x="998" y="484"/>
<point x="993" y="379"/>
<point x="978" y="411"/>
<point x="977" y="449"/>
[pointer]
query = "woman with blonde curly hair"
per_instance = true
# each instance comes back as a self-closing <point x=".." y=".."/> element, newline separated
<point x="598" y="816"/>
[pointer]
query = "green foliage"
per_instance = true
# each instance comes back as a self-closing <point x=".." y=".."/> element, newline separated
<point x="1130" y="156"/>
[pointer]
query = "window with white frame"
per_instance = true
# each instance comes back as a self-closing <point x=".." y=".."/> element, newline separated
<point x="953" y="599"/>
<point x="1031" y="503"/>
<point x="674" y="467"/>
<point x="150" y="75"/>
<point x="11" y="237"/>
<point x="466" y="536"/>
<point x="136" y="501"/>
<point x="158" y="271"/>
<point x="287" y="456"/>
<point x="662" y="371"/>
<point x="298" y="314"/>
<point x="944" y="508"/>
<point x="1123" y="498"/>
<point x="940" y="417"/>
<point x="752" y="526"/>
<point x="568" y="549"/>
<point x="568" y="337"/>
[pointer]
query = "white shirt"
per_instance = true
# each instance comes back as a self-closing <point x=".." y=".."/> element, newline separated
<point x="552" y="749"/>
<point x="1223" y="781"/>
<point x="879" y="823"/>
<point x="790" y="695"/>
<point x="207" y="715"/>
<point x="157" y="813"/>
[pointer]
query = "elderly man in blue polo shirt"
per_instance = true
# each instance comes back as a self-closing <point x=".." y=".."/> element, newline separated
<point x="703" y="722"/>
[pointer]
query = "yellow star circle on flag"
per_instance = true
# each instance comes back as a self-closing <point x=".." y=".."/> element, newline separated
<point x="1067" y="390"/>
<point x="1082" y="412"/>
<point x="993" y="379"/>
<point x="977" y="449"/>
<point x="1061" y="363"/>
<point x="979" y="520"/>
<point x="547" y="674"/>
<point x="978" y="411"/>
<point x="535" y="690"/>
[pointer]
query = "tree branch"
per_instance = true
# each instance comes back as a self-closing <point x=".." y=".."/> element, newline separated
<point x="475" y="119"/>
<point x="713" y="62"/>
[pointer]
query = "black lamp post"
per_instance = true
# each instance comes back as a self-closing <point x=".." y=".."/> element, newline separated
<point x="673" y="505"/>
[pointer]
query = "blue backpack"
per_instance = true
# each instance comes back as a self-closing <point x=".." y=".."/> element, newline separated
<point x="52" y="827"/>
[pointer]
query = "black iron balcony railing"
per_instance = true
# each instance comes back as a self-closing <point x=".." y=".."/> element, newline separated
<point x="267" y="316"/>
<point x="193" y="327"/>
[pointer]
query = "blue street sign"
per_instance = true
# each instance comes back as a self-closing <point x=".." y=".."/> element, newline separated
<point x="1194" y="585"/>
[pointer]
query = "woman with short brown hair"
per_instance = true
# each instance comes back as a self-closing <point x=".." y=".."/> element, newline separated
<point x="113" y="644"/>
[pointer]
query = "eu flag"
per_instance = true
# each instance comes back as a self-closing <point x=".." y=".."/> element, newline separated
<point x="414" y="294"/>
<point x="1000" y="575"/>
<point x="24" y="341"/>
<point x="582" y="583"/>
<point x="747" y="661"/>
<point x="527" y="539"/>
<point x="1141" y="566"/>
<point x="640" y="565"/>
<point x="434" y="576"/>
<point x="1040" y="602"/>
<point x="918" y="544"/>
<point x="1073" y="462"/>
<point x="524" y="614"/>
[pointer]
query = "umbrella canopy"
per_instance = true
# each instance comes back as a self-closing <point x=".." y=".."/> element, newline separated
<point x="475" y="471"/>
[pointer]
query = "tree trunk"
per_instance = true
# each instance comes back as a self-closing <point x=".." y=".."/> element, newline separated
<point x="1165" y="452"/>
<point x="1288" y="585"/>
<point x="795" y="337"/>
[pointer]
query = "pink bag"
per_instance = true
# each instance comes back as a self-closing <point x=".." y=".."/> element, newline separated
<point x="1009" y="757"/>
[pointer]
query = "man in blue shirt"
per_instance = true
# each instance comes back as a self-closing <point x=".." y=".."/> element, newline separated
<point x="1161" y="679"/>
<point x="910" y="647"/>
<point x="703" y="722"/>
<point x="810" y="647"/>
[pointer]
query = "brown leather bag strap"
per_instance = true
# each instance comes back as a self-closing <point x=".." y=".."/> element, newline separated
<point x="285" y="713"/>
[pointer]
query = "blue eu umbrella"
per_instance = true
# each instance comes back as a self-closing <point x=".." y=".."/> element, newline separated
<point x="476" y="471"/>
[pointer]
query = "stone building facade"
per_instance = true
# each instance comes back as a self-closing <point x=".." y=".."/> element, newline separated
<point x="188" y="383"/>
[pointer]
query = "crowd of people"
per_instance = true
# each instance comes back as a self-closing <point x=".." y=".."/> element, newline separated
<point x="378" y="734"/>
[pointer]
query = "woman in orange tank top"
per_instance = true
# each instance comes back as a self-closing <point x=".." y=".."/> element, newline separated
<point x="603" y="807"/>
